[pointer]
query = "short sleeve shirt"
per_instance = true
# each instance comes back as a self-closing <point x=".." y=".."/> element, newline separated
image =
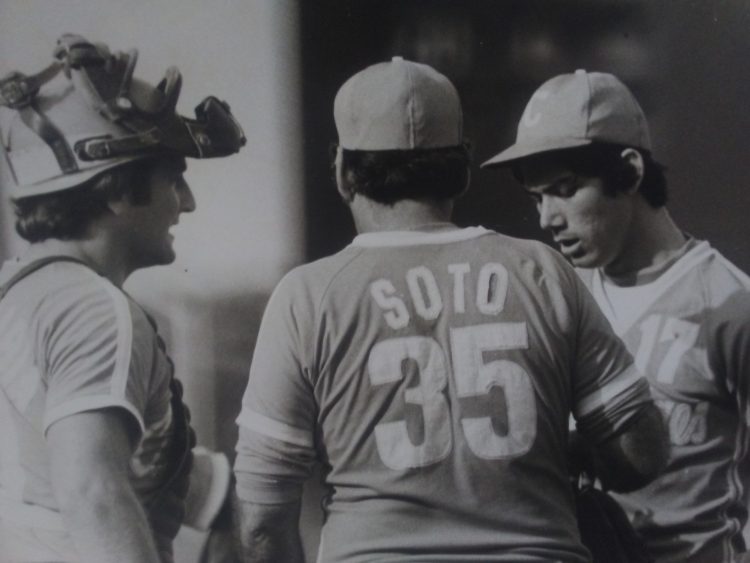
<point x="689" y="331"/>
<point x="71" y="342"/>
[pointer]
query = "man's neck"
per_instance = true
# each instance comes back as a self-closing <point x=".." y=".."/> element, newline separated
<point x="404" y="215"/>
<point x="94" y="252"/>
<point x="653" y="240"/>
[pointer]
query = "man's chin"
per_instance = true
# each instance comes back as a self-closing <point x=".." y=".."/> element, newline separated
<point x="584" y="260"/>
<point x="169" y="258"/>
<point x="163" y="259"/>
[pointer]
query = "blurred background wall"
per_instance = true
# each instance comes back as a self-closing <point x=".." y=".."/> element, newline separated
<point x="279" y="64"/>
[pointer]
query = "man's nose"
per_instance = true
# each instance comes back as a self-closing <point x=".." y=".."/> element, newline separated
<point x="187" y="200"/>
<point x="550" y="215"/>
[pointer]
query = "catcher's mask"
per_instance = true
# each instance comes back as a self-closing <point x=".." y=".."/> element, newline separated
<point x="86" y="113"/>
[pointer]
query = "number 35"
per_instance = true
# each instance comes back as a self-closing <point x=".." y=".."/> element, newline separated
<point x="473" y="377"/>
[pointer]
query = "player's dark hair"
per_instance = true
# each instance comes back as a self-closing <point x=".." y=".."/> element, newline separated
<point x="67" y="214"/>
<point x="393" y="175"/>
<point x="604" y="160"/>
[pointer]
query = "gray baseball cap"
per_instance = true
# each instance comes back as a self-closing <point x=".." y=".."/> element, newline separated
<point x="398" y="105"/>
<point x="574" y="110"/>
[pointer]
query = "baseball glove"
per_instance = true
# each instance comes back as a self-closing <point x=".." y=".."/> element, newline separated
<point x="605" y="529"/>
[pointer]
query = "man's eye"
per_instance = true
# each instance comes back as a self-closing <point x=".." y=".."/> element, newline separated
<point x="566" y="189"/>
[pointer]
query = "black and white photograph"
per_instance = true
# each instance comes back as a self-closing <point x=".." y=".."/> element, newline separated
<point x="288" y="281"/>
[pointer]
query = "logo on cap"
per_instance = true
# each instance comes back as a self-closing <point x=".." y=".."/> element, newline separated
<point x="574" y="110"/>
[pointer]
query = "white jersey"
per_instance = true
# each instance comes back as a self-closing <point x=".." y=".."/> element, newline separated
<point x="71" y="342"/>
<point x="433" y="374"/>
<point x="689" y="331"/>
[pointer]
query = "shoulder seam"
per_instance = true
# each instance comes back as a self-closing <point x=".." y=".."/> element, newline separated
<point x="318" y="304"/>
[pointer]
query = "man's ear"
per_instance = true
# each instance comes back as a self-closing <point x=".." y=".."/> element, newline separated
<point x="466" y="185"/>
<point x="341" y="185"/>
<point x="636" y="169"/>
<point x="120" y="204"/>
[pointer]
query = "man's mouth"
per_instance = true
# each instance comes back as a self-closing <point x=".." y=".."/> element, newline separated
<point x="569" y="246"/>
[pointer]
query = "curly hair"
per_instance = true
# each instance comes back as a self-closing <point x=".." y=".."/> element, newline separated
<point x="392" y="175"/>
<point x="67" y="215"/>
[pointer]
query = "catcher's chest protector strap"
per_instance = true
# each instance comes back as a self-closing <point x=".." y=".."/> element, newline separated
<point x="33" y="267"/>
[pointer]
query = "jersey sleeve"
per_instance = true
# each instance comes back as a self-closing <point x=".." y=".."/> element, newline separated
<point x="87" y="334"/>
<point x="276" y="449"/>
<point x="608" y="391"/>
<point x="728" y="334"/>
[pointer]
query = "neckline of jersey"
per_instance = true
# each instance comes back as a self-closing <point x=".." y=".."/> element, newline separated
<point x="439" y="233"/>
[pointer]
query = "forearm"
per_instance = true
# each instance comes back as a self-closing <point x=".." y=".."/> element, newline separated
<point x="90" y="454"/>
<point x="108" y="524"/>
<point x="635" y="457"/>
<point x="268" y="533"/>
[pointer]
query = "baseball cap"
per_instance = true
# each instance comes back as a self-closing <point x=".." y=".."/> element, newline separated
<point x="398" y="105"/>
<point x="574" y="110"/>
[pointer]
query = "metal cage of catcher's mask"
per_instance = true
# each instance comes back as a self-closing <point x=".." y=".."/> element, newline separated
<point x="86" y="113"/>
